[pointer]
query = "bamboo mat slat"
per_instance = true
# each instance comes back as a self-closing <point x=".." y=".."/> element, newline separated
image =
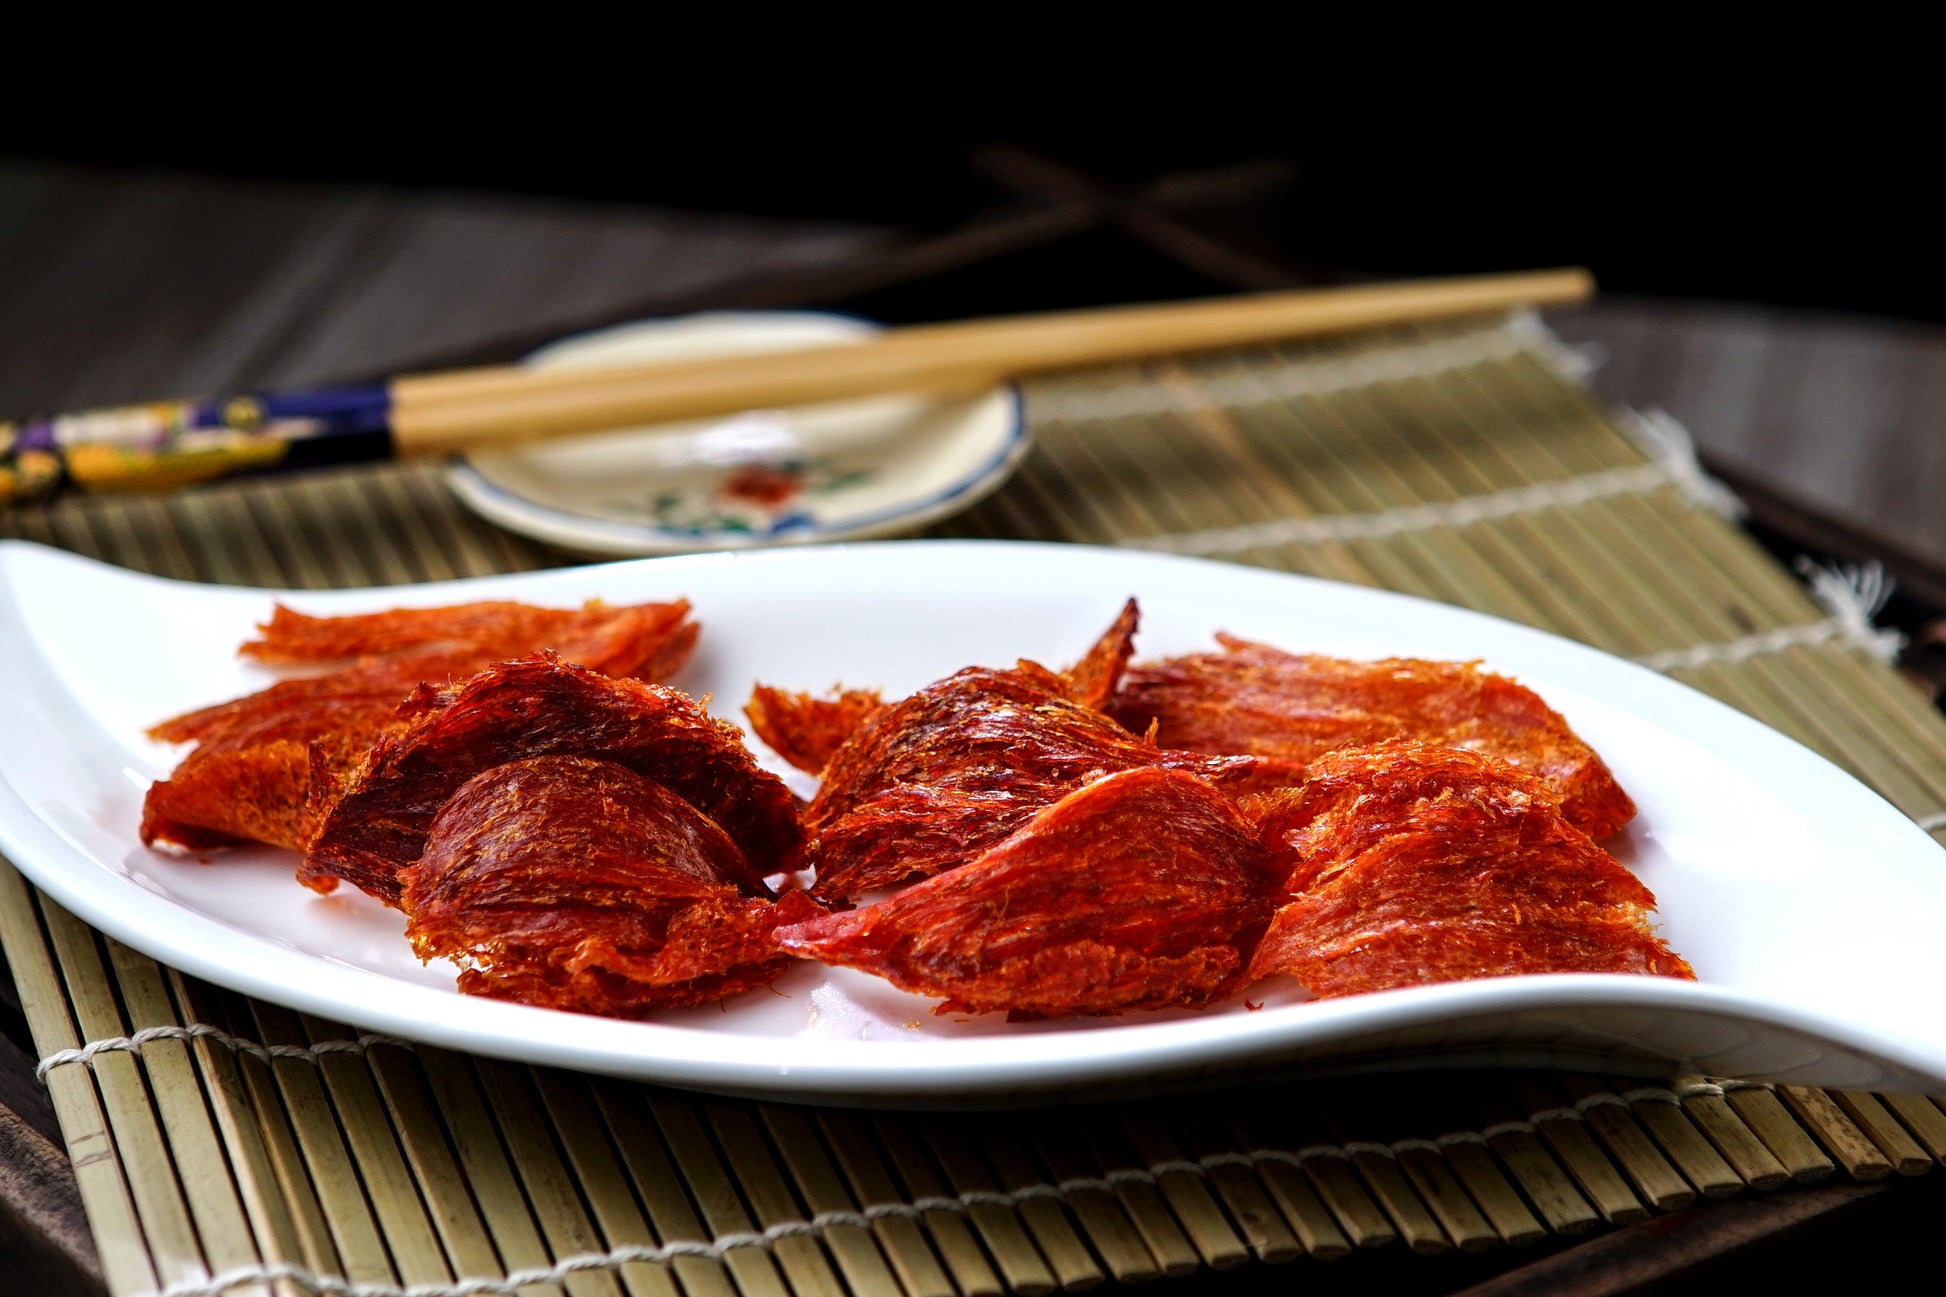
<point x="1548" y="1188"/>
<point x="1766" y="1119"/>
<point x="951" y="1231"/>
<point x="227" y="1145"/>
<point x="1924" y="1119"/>
<point x="1097" y="1213"/>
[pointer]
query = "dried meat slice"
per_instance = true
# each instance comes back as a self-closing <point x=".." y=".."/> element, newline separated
<point x="581" y="885"/>
<point x="314" y="706"/>
<point x="293" y="637"/>
<point x="531" y="707"/>
<point x="249" y="777"/>
<point x="243" y="783"/>
<point x="1093" y="680"/>
<point x="1253" y="699"/>
<point x="225" y="797"/>
<point x="1359" y="798"/>
<point x="928" y="783"/>
<point x="650" y="642"/>
<point x="1408" y="863"/>
<point x="1143" y="889"/>
<point x="613" y="640"/>
<point x="274" y="791"/>
<point x="805" y="729"/>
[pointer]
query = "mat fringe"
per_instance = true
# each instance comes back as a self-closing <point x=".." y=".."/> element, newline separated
<point x="1852" y="595"/>
<point x="1662" y="437"/>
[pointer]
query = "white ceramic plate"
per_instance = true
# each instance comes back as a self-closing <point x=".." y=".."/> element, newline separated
<point x="1814" y="913"/>
<point x="842" y="471"/>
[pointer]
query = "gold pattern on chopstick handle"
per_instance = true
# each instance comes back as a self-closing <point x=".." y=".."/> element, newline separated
<point x="169" y="444"/>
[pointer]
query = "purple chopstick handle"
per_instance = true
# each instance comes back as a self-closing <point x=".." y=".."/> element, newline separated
<point x="174" y="443"/>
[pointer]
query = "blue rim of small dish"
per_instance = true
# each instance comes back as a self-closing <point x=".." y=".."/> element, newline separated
<point x="579" y="531"/>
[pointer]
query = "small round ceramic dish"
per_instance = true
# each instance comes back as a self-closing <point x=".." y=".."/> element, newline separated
<point x="840" y="471"/>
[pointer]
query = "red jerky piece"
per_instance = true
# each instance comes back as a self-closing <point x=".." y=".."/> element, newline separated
<point x="1259" y="700"/>
<point x="651" y="640"/>
<point x="807" y="730"/>
<point x="932" y="781"/>
<point x="312" y="707"/>
<point x="256" y="793"/>
<point x="804" y="729"/>
<point x="1093" y="680"/>
<point x="615" y="641"/>
<point x="1410" y="863"/>
<point x="580" y="885"/>
<point x="531" y="707"/>
<point x="246" y="782"/>
<point x="248" y="777"/>
<point x="1142" y="890"/>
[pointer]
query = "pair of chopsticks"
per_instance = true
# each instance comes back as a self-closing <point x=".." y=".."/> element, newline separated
<point x="173" y="443"/>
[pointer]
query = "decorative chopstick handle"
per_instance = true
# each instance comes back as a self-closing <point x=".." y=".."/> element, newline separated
<point x="168" y="444"/>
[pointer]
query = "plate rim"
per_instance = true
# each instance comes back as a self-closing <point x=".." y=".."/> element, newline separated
<point x="617" y="539"/>
<point x="1220" y="1042"/>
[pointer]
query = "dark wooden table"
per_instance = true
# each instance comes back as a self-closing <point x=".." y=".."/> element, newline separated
<point x="121" y="287"/>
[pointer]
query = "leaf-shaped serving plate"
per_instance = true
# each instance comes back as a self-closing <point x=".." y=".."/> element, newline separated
<point x="1813" y="912"/>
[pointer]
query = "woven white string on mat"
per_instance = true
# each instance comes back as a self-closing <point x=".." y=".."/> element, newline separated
<point x="311" y="1054"/>
<point x="718" y="1247"/>
<point x="1672" y="462"/>
<point x="1851" y="595"/>
<point x="1675" y="1093"/>
<point x="203" y="1031"/>
<point x="1462" y="512"/>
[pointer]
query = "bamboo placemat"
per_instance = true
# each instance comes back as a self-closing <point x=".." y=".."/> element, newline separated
<point x="223" y="1144"/>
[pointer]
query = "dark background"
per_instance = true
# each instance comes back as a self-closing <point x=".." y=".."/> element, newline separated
<point x="1671" y="167"/>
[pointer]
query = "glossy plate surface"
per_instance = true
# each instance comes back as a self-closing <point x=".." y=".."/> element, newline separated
<point x="841" y="471"/>
<point x="1813" y="912"/>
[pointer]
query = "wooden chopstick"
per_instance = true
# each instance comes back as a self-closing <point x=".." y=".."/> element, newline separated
<point x="445" y="412"/>
<point x="163" y="445"/>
